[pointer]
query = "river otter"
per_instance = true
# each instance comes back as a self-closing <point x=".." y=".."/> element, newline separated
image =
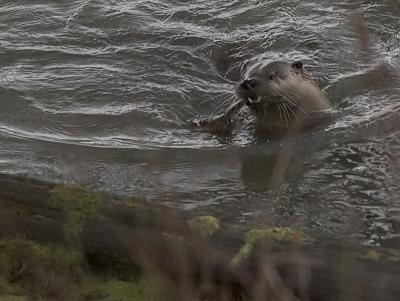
<point x="281" y="95"/>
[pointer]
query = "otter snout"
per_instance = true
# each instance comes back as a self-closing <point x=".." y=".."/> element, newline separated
<point x="249" y="84"/>
<point x="248" y="90"/>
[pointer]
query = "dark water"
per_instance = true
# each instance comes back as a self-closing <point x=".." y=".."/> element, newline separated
<point x="99" y="93"/>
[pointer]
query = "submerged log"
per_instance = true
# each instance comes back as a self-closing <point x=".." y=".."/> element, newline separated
<point x="118" y="234"/>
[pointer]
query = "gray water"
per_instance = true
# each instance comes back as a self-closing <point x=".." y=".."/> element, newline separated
<point x="100" y="92"/>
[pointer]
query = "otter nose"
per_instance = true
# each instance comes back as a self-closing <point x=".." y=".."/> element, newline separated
<point x="249" y="84"/>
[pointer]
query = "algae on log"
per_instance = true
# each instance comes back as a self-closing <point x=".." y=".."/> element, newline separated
<point x="281" y="238"/>
<point x="206" y="225"/>
<point x="34" y="271"/>
<point x="80" y="206"/>
<point x="130" y="237"/>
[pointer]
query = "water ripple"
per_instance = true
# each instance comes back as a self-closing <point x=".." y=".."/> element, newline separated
<point x="99" y="92"/>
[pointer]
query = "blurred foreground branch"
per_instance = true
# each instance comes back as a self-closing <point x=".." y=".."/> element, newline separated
<point x="202" y="259"/>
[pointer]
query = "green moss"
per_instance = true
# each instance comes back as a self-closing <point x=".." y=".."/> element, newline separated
<point x="372" y="255"/>
<point x="158" y="287"/>
<point x="122" y="290"/>
<point x="53" y="272"/>
<point x="9" y="289"/>
<point x="154" y="287"/>
<point x="280" y="237"/>
<point x="13" y="298"/>
<point x="109" y="290"/>
<point x="378" y="256"/>
<point x="32" y="271"/>
<point x="35" y="269"/>
<point x="17" y="210"/>
<point x="58" y="259"/>
<point x="129" y="202"/>
<point x="206" y="225"/>
<point x="80" y="206"/>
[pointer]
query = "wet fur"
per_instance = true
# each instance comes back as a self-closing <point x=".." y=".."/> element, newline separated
<point x="281" y="95"/>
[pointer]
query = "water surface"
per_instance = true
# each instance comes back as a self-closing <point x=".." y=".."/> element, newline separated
<point x="99" y="93"/>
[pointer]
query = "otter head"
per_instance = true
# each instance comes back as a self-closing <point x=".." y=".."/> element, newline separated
<point x="271" y="83"/>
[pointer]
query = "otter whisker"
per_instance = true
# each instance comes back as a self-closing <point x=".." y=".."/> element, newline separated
<point x="295" y="105"/>
<point x="295" y="115"/>
<point x="285" y="114"/>
<point x="223" y="95"/>
<point x="233" y="105"/>
<point x="285" y="95"/>
<point x="225" y="98"/>
<point x="290" y="99"/>
<point x="290" y="107"/>
<point x="234" y="108"/>
<point x="224" y="102"/>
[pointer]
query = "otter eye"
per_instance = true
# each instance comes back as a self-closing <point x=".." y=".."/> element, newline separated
<point x="271" y="77"/>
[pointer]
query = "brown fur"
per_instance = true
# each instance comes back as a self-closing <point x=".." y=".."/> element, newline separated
<point x="281" y="95"/>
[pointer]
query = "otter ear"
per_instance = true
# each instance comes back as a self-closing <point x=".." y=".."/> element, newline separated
<point x="297" y="65"/>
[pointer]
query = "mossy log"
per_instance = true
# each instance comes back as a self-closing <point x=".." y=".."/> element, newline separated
<point x="126" y="236"/>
